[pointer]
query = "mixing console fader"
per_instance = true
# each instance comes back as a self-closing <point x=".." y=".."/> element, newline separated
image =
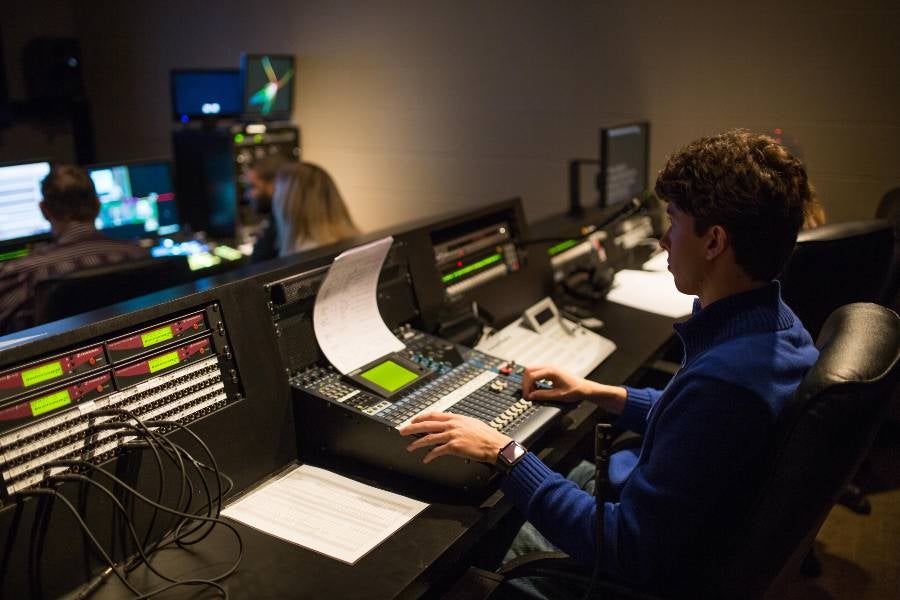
<point x="455" y="379"/>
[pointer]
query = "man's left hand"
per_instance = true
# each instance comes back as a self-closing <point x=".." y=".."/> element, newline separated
<point x="455" y="434"/>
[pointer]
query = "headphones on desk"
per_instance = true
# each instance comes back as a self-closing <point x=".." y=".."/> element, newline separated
<point x="591" y="284"/>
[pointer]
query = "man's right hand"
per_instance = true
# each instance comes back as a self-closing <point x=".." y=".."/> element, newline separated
<point x="568" y="388"/>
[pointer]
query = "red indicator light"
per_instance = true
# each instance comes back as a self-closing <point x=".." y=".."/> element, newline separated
<point x="459" y="263"/>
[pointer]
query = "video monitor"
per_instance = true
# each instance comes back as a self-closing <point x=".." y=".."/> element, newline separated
<point x="623" y="162"/>
<point x="268" y="87"/>
<point x="21" y="220"/>
<point x="205" y="94"/>
<point x="136" y="200"/>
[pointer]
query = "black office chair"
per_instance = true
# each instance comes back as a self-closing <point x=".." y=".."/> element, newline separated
<point x="821" y="438"/>
<point x="82" y="291"/>
<point x="834" y="265"/>
<point x="889" y="210"/>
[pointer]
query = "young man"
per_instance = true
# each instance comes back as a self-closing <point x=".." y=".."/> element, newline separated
<point x="70" y="205"/>
<point x="736" y="202"/>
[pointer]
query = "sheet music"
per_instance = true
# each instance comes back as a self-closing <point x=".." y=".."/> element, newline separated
<point x="325" y="512"/>
<point x="653" y="292"/>
<point x="348" y="326"/>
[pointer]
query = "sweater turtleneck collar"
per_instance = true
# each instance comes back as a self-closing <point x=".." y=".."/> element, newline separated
<point x="756" y="311"/>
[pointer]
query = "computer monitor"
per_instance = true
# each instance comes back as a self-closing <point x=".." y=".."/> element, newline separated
<point x="21" y="220"/>
<point x="137" y="200"/>
<point x="268" y="86"/>
<point x="205" y="94"/>
<point x="624" y="152"/>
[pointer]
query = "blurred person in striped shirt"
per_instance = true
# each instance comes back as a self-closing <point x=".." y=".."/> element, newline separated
<point x="70" y="204"/>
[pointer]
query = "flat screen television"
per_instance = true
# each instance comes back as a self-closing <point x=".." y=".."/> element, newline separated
<point x="267" y="81"/>
<point x="624" y="162"/>
<point x="137" y="199"/>
<point x="21" y="220"/>
<point x="205" y="94"/>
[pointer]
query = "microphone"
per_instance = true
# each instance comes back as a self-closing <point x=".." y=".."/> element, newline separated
<point x="627" y="209"/>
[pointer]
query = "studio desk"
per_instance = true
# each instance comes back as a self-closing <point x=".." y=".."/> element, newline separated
<point x="424" y="557"/>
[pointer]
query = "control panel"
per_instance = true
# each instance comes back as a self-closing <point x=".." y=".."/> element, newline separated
<point x="85" y="403"/>
<point x="460" y="380"/>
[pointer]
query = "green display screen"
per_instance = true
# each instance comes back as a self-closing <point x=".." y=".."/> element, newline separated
<point x="389" y="375"/>
<point x="163" y="362"/>
<point x="51" y="402"/>
<point x="473" y="267"/>
<point x="560" y="247"/>
<point x="42" y="373"/>
<point x="157" y="335"/>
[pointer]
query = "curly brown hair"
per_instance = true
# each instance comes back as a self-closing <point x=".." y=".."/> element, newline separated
<point x="747" y="183"/>
<point x="69" y="194"/>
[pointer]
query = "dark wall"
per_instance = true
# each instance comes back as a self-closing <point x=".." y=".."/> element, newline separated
<point x="417" y="108"/>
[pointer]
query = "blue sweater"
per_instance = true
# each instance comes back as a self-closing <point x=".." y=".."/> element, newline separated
<point x="706" y="436"/>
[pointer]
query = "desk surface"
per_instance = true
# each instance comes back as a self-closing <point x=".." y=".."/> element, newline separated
<point x="428" y="550"/>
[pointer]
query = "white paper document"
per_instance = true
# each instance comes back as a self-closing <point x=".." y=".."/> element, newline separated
<point x="327" y="513"/>
<point x="559" y="342"/>
<point x="348" y="326"/>
<point x="657" y="262"/>
<point x="653" y="292"/>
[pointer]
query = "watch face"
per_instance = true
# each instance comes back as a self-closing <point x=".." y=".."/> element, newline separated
<point x="512" y="452"/>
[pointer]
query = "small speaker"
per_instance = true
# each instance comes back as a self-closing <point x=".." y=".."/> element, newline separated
<point x="52" y="69"/>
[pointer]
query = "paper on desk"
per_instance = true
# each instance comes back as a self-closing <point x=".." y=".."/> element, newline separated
<point x="325" y="512"/>
<point x="658" y="262"/>
<point x="577" y="349"/>
<point x="651" y="292"/>
<point x="348" y="326"/>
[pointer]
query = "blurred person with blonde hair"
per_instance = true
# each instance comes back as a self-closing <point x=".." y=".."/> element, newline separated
<point x="308" y="209"/>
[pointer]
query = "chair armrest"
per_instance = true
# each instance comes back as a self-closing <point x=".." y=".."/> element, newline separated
<point x="625" y="441"/>
<point x="561" y="566"/>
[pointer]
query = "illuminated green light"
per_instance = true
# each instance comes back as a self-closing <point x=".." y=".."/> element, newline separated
<point x="227" y="252"/>
<point x="552" y="250"/>
<point x="42" y="373"/>
<point x="473" y="267"/>
<point x="239" y="138"/>
<point x="13" y="254"/>
<point x="163" y="362"/>
<point x="157" y="335"/>
<point x="52" y="402"/>
<point x="389" y="375"/>
<point x="202" y="260"/>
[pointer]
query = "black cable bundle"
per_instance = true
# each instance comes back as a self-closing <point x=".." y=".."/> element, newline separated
<point x="186" y="528"/>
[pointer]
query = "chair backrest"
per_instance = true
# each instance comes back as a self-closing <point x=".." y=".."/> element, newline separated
<point x="889" y="210"/>
<point x="821" y="438"/>
<point x="834" y="265"/>
<point x="87" y="289"/>
<point x="889" y="207"/>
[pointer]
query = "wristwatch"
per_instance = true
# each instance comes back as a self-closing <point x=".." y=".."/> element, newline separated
<point x="509" y="455"/>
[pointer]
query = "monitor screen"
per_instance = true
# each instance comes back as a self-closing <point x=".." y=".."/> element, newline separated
<point x="20" y="196"/>
<point x="268" y="85"/>
<point x="623" y="162"/>
<point x="205" y="94"/>
<point x="389" y="375"/>
<point x="136" y="200"/>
